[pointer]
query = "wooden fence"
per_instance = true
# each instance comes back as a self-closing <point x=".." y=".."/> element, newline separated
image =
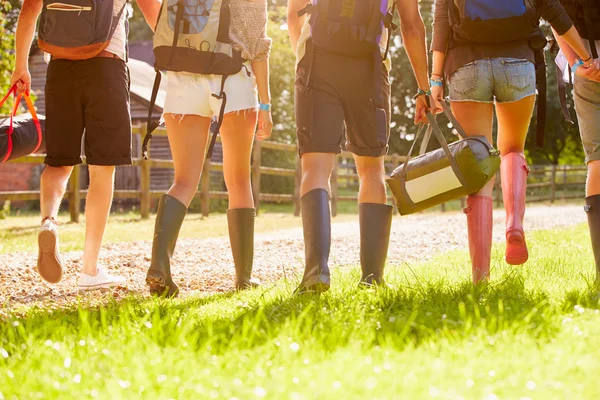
<point x="558" y="182"/>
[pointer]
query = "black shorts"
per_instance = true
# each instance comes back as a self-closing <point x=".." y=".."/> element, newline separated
<point x="338" y="100"/>
<point x="92" y="96"/>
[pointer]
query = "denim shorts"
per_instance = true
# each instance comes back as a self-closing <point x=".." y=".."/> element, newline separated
<point x="587" y="105"/>
<point x="501" y="80"/>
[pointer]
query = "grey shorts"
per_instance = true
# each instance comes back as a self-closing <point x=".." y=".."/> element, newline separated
<point x="501" y="80"/>
<point x="587" y="105"/>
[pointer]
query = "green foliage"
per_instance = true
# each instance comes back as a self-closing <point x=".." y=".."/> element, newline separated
<point x="532" y="332"/>
<point x="7" y="60"/>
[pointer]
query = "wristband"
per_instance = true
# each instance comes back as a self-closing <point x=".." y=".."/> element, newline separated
<point x="436" y="82"/>
<point x="578" y="64"/>
<point x="421" y="92"/>
<point x="264" y="107"/>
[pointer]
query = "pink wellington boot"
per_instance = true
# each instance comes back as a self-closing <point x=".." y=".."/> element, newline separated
<point x="514" y="171"/>
<point x="479" y="222"/>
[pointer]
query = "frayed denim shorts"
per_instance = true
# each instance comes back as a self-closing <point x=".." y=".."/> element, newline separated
<point x="501" y="80"/>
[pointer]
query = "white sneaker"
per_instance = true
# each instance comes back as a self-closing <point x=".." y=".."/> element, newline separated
<point x="100" y="281"/>
<point x="49" y="264"/>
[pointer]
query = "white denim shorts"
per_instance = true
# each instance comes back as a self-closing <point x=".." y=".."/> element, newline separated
<point x="192" y="94"/>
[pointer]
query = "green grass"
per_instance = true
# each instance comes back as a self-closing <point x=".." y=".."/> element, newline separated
<point x="19" y="233"/>
<point x="532" y="333"/>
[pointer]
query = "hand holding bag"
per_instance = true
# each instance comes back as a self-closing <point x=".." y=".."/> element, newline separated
<point x="19" y="136"/>
<point x="448" y="173"/>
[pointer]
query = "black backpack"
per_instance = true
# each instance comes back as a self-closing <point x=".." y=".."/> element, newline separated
<point x="77" y="29"/>
<point x="503" y="21"/>
<point x="586" y="17"/>
<point x="351" y="27"/>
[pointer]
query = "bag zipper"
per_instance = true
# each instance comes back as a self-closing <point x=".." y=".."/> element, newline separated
<point x="67" y="7"/>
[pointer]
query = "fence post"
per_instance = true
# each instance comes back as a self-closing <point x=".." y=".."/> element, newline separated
<point x="256" y="161"/>
<point x="334" y="186"/>
<point x="553" y="184"/>
<point x="145" y="187"/>
<point x="74" y="195"/>
<point x="498" y="190"/>
<point x="297" y="183"/>
<point x="564" y="182"/>
<point x="205" y="188"/>
<point x="395" y="164"/>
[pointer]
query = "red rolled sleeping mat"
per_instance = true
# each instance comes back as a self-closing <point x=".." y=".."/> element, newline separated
<point x="20" y="135"/>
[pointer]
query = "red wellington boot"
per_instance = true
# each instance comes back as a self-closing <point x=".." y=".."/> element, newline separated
<point x="479" y="221"/>
<point x="514" y="171"/>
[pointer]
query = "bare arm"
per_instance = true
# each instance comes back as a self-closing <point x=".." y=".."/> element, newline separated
<point x="413" y="35"/>
<point x="572" y="38"/>
<point x="591" y="72"/>
<point x="566" y="49"/>
<point x="150" y="9"/>
<point x="295" y="22"/>
<point x="265" y="121"/>
<point x="30" y="11"/>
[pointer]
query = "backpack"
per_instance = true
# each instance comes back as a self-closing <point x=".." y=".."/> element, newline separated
<point x="350" y="27"/>
<point x="193" y="36"/>
<point x="77" y="29"/>
<point x="493" y="21"/>
<point x="504" y="21"/>
<point x="586" y="18"/>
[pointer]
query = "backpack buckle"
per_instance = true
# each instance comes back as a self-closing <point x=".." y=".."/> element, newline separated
<point x="388" y="21"/>
<point x="306" y="10"/>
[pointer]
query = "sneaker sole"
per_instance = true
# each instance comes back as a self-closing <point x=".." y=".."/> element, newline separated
<point x="100" y="286"/>
<point x="48" y="266"/>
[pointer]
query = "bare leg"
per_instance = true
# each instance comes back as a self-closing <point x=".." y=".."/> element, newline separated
<point x="371" y="173"/>
<point x="97" y="209"/>
<point x="53" y="185"/>
<point x="593" y="179"/>
<point x="52" y="189"/>
<point x="188" y="137"/>
<point x="237" y="135"/>
<point x="477" y="119"/>
<point x="513" y="124"/>
<point x="316" y="171"/>
<point x="316" y="221"/>
<point x="375" y="218"/>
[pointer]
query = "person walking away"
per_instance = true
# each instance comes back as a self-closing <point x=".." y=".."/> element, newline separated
<point x="486" y="51"/>
<point x="87" y="89"/>
<point x="342" y="86"/>
<point x="222" y="75"/>
<point x="586" y="17"/>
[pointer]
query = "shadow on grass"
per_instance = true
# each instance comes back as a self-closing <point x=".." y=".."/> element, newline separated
<point x="384" y="317"/>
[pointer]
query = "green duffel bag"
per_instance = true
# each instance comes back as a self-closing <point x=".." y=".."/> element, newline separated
<point x="450" y="172"/>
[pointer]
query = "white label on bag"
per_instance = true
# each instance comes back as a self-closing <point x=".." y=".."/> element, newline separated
<point x="430" y="185"/>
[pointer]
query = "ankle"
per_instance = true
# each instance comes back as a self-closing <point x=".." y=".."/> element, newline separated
<point x="90" y="270"/>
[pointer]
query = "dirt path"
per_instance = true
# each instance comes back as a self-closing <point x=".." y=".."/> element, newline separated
<point x="206" y="265"/>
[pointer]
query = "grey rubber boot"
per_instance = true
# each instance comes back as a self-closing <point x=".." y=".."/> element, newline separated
<point x="375" y="226"/>
<point x="241" y="236"/>
<point x="316" y="223"/>
<point x="592" y="209"/>
<point x="169" y="218"/>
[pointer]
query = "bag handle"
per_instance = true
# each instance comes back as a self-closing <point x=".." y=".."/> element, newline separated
<point x="448" y="112"/>
<point x="453" y="120"/>
<point x="36" y="121"/>
<point x="434" y="127"/>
